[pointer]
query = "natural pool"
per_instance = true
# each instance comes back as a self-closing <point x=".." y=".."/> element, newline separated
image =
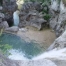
<point x="20" y="48"/>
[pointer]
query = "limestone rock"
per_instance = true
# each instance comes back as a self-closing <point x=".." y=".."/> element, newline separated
<point x="42" y="62"/>
<point x="9" y="7"/>
<point x="59" y="62"/>
<point x="12" y="29"/>
<point x="30" y="15"/>
<point x="2" y="15"/>
<point x="6" y="62"/>
<point x="59" y="43"/>
<point x="5" y="24"/>
<point x="1" y="20"/>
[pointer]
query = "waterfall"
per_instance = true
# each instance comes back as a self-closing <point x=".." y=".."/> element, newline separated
<point x="55" y="54"/>
<point x="16" y="55"/>
<point x="62" y="8"/>
<point x="54" y="5"/>
<point x="16" y="18"/>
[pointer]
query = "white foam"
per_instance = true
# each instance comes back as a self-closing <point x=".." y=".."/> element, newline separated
<point x="16" y="55"/>
<point x="56" y="54"/>
<point x="16" y="17"/>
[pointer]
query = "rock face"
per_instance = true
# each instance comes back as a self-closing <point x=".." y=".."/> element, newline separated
<point x="59" y="43"/>
<point x="30" y="15"/>
<point x="9" y="6"/>
<point x="6" y="62"/>
<point x="58" y="19"/>
<point x="42" y="62"/>
<point x="3" y="24"/>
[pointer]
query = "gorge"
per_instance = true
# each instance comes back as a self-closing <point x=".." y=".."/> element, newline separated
<point x="34" y="38"/>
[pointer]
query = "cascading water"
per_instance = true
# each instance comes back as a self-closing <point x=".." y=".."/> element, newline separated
<point x="56" y="54"/>
<point x="16" y="18"/>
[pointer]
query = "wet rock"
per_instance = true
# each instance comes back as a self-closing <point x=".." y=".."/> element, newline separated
<point x="6" y="62"/>
<point x="12" y="29"/>
<point x="40" y="62"/>
<point x="23" y="29"/>
<point x="59" y="62"/>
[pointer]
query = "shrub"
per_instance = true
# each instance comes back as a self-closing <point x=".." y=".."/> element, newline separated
<point x="4" y="48"/>
<point x="47" y="17"/>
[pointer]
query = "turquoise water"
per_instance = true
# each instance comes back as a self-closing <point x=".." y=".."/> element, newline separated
<point x="30" y="49"/>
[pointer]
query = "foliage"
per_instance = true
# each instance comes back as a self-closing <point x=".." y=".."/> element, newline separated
<point x="64" y="22"/>
<point x="47" y="17"/>
<point x="64" y="1"/>
<point x="4" y="48"/>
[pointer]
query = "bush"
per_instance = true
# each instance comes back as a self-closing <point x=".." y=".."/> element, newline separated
<point x="47" y="17"/>
<point x="4" y="48"/>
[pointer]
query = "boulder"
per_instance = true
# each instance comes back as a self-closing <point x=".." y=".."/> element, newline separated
<point x="12" y="29"/>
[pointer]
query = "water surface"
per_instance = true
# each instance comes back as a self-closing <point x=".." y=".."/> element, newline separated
<point x="20" y="46"/>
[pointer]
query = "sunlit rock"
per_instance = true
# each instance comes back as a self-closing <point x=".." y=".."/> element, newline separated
<point x="62" y="7"/>
<point x="12" y="29"/>
<point x="54" y="5"/>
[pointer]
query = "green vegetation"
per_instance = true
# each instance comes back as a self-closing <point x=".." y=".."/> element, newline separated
<point x="64" y="22"/>
<point x="4" y="48"/>
<point x="47" y="17"/>
<point x="64" y="1"/>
